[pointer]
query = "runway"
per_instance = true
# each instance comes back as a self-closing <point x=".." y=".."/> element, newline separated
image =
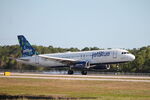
<point x="79" y="77"/>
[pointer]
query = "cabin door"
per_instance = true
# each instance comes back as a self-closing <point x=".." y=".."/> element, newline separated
<point x="37" y="59"/>
<point x="114" y="54"/>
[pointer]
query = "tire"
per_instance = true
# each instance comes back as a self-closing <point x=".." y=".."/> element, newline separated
<point x="70" y="72"/>
<point x="84" y="72"/>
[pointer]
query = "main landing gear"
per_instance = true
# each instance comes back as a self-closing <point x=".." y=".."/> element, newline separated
<point x="83" y="67"/>
<point x="84" y="72"/>
<point x="71" y="72"/>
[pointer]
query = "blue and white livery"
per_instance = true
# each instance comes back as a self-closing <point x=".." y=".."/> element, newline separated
<point x="84" y="60"/>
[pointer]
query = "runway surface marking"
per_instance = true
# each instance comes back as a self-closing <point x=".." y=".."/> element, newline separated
<point x="80" y="77"/>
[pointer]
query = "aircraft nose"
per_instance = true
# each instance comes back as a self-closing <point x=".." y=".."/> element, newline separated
<point x="132" y="57"/>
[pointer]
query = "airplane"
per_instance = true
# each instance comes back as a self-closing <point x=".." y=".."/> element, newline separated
<point x="83" y="60"/>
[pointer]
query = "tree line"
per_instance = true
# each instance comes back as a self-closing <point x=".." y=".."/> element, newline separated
<point x="140" y="65"/>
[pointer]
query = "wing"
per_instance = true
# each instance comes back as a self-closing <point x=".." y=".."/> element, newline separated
<point x="67" y="61"/>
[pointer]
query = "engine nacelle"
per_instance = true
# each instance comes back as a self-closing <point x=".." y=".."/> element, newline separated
<point x="102" y="66"/>
<point x="82" y="65"/>
<point x="79" y="66"/>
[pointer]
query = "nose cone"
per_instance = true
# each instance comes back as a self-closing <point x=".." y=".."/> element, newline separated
<point x="132" y="57"/>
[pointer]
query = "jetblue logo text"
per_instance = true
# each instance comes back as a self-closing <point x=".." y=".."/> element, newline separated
<point x="99" y="54"/>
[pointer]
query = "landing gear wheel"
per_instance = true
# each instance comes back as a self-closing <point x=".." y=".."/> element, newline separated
<point x="84" y="72"/>
<point x="70" y="72"/>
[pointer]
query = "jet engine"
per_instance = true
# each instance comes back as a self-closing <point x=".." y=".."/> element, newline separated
<point x="79" y="66"/>
<point x="101" y="66"/>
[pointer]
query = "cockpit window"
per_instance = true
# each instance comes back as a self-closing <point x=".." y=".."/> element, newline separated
<point x="125" y="52"/>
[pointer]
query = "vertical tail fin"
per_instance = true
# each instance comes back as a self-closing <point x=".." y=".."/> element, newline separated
<point x="26" y="48"/>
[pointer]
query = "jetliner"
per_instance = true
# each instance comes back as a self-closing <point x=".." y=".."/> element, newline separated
<point x="84" y="60"/>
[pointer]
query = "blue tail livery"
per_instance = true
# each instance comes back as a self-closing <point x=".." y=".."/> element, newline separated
<point x="26" y="48"/>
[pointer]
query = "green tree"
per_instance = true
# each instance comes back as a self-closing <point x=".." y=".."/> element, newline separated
<point x="85" y="49"/>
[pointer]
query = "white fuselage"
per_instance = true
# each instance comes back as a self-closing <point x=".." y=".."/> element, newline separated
<point x="111" y="56"/>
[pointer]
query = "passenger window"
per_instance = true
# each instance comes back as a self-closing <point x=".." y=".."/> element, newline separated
<point x="125" y="52"/>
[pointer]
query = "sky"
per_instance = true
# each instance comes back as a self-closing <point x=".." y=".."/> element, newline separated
<point x="76" y="23"/>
